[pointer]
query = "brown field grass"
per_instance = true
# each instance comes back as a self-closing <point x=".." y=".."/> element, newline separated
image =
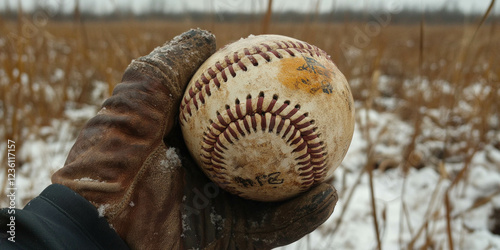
<point x="101" y="51"/>
<point x="424" y="66"/>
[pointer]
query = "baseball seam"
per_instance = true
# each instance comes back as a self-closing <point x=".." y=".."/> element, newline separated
<point x="294" y="127"/>
<point x="232" y="64"/>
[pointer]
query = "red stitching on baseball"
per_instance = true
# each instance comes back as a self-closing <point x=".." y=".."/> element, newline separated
<point x="230" y="114"/>
<point x="272" y="123"/>
<point x="231" y="70"/>
<point x="264" y="50"/>
<point x="212" y="73"/>
<point x="242" y="65"/>
<point x="254" y="122"/>
<point x="197" y="85"/>
<point x="232" y="132"/>
<point x="235" y="57"/>
<point x="191" y="93"/>
<point x="216" y="126"/>
<point x="219" y="67"/>
<point x="301" y="136"/>
<point x="195" y="103"/>
<point x="207" y="89"/>
<point x="204" y="79"/>
<point x="200" y="96"/>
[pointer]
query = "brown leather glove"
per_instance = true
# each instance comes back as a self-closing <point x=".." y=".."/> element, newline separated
<point x="155" y="199"/>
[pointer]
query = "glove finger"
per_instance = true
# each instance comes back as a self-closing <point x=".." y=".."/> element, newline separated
<point x="271" y="225"/>
<point x="134" y="120"/>
<point x="172" y="65"/>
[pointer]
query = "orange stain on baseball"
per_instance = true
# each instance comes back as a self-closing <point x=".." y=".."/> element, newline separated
<point x="306" y="74"/>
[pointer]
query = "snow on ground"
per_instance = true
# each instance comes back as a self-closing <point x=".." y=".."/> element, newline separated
<point x="422" y="190"/>
<point x="41" y="155"/>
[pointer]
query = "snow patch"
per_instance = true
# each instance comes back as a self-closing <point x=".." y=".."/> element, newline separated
<point x="102" y="110"/>
<point x="102" y="209"/>
<point x="100" y="91"/>
<point x="216" y="219"/>
<point x="172" y="160"/>
<point x="58" y="75"/>
<point x="88" y="179"/>
<point x="185" y="225"/>
<point x="493" y="154"/>
<point x="79" y="114"/>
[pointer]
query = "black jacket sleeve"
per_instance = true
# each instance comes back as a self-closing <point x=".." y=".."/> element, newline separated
<point x="58" y="218"/>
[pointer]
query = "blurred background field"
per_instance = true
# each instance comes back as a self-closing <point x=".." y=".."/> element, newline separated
<point x="423" y="169"/>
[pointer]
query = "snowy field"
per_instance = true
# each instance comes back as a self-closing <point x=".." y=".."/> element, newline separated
<point x="427" y="173"/>
<point x="351" y="225"/>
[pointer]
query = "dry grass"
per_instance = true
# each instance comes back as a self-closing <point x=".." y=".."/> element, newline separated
<point x="54" y="66"/>
<point x="82" y="53"/>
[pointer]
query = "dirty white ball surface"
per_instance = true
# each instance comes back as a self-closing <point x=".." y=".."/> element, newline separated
<point x="268" y="117"/>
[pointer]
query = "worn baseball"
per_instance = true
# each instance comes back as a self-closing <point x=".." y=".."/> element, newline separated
<point x="268" y="117"/>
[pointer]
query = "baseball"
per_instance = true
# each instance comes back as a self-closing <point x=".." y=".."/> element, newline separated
<point x="268" y="117"/>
